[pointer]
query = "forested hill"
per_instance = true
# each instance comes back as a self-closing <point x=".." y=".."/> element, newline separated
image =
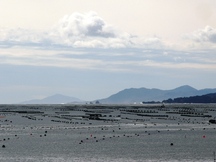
<point x="138" y="95"/>
<point x="208" y="98"/>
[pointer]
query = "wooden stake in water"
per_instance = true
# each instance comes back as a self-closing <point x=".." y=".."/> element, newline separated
<point x="214" y="156"/>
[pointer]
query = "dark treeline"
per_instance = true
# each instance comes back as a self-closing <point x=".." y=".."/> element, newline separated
<point x="208" y="98"/>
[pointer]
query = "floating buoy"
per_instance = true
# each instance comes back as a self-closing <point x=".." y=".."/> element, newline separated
<point x="204" y="136"/>
<point x="3" y="146"/>
<point x="171" y="144"/>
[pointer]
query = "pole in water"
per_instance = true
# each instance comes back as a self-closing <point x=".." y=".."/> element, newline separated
<point x="214" y="156"/>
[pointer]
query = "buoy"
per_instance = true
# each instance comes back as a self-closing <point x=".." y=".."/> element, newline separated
<point x="171" y="144"/>
<point x="3" y="146"/>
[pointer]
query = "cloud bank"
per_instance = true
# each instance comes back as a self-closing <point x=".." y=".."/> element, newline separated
<point x="22" y="36"/>
<point x="89" y="30"/>
<point x="86" y="41"/>
<point x="78" y="30"/>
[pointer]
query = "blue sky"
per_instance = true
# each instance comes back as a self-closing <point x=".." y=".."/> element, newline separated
<point x="91" y="50"/>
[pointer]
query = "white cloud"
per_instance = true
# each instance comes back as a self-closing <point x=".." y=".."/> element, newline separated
<point x="77" y="30"/>
<point x="21" y="36"/>
<point x="81" y="25"/>
<point x="88" y="30"/>
<point x="208" y="35"/>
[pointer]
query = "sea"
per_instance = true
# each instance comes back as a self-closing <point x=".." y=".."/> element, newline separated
<point x="107" y="133"/>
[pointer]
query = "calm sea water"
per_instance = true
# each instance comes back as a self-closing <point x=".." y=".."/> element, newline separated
<point x="43" y="140"/>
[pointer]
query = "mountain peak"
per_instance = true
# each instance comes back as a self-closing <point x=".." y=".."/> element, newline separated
<point x="54" y="99"/>
<point x="185" y="88"/>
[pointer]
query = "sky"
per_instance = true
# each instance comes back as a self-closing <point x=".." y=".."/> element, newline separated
<point x="93" y="49"/>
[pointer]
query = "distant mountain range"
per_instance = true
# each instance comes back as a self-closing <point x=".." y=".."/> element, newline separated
<point x="55" y="99"/>
<point x="145" y="95"/>
<point x="208" y="98"/>
<point x="129" y="96"/>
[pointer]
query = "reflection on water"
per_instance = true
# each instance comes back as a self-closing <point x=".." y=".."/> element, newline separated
<point x="51" y="137"/>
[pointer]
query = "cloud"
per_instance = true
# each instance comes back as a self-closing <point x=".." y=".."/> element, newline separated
<point x="90" y="30"/>
<point x="21" y="36"/>
<point x="77" y="30"/>
<point x="206" y="35"/>
<point x="82" y="25"/>
<point x="113" y="60"/>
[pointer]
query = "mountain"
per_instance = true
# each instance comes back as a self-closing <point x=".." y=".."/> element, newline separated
<point x="144" y="94"/>
<point x="55" y="99"/>
<point x="208" y="98"/>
